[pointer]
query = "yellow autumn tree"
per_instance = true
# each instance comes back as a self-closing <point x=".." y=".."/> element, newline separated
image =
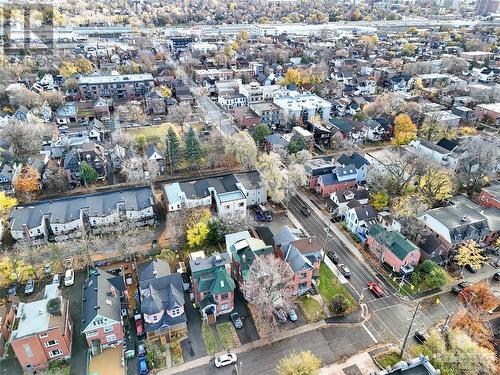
<point x="6" y="203"/>
<point x="27" y="182"/>
<point x="470" y="253"/>
<point x="436" y="185"/>
<point x="292" y="76"/>
<point x="165" y="91"/>
<point x="197" y="234"/>
<point x="404" y="129"/>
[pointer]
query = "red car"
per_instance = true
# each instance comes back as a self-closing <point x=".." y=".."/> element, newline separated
<point x="139" y="327"/>
<point x="375" y="289"/>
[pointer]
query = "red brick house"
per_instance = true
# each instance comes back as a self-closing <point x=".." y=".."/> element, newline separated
<point x="490" y="195"/>
<point x="43" y="331"/>
<point x="340" y="178"/>
<point x="8" y="313"/>
<point x="101" y="316"/>
<point x="246" y="117"/>
<point x="392" y="247"/>
<point x="213" y="286"/>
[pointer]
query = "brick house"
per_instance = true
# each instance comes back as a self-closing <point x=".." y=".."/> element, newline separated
<point x="392" y="247"/>
<point x="8" y="313"/>
<point x="101" y="317"/>
<point x="243" y="253"/>
<point x="340" y="178"/>
<point x="490" y="195"/>
<point x="42" y="331"/>
<point x="213" y="286"/>
<point x="246" y="117"/>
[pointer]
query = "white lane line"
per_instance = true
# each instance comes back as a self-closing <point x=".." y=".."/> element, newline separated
<point x="370" y="334"/>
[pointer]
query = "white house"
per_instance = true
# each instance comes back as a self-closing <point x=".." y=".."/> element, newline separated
<point x="231" y="101"/>
<point x="344" y="199"/>
<point x="359" y="220"/>
<point x="435" y="152"/>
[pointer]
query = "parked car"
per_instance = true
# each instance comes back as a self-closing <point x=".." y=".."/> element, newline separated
<point x="470" y="268"/>
<point x="47" y="269"/>
<point x="30" y="287"/>
<point x="259" y="216"/>
<point x="12" y="290"/>
<point x="141" y="350"/>
<point x="225" y="360"/>
<point x="69" y="277"/>
<point x="69" y="263"/>
<point x="460" y="286"/>
<point x="496" y="276"/>
<point x="420" y="336"/>
<point x="235" y="318"/>
<point x="332" y="256"/>
<point x="344" y="270"/>
<point x="375" y="289"/>
<point x="129" y="279"/>
<point x="142" y="366"/>
<point x="305" y="210"/>
<point x="292" y="315"/>
<point x="56" y="279"/>
<point x="139" y="326"/>
<point x="280" y="316"/>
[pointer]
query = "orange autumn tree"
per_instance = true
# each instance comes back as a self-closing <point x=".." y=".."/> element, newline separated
<point x="479" y="298"/>
<point x="475" y="327"/>
<point x="26" y="183"/>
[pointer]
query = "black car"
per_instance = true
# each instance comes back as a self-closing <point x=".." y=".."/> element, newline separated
<point x="280" y="316"/>
<point x="459" y="287"/>
<point x="305" y="210"/>
<point x="470" y="268"/>
<point x="420" y="336"/>
<point x="496" y="276"/>
<point x="12" y="291"/>
<point x="333" y="256"/>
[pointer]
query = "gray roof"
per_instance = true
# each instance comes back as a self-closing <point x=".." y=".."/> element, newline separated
<point x="493" y="189"/>
<point x="296" y="260"/>
<point x="100" y="297"/>
<point x="153" y="269"/>
<point x="356" y="159"/>
<point x="250" y="180"/>
<point x="124" y="78"/>
<point x="365" y="212"/>
<point x="286" y="235"/>
<point x="201" y="264"/>
<point x="68" y="209"/>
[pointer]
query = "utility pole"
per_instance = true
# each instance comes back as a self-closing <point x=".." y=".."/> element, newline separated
<point x="409" y="329"/>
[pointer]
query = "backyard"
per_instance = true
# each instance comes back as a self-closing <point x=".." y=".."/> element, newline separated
<point x="330" y="286"/>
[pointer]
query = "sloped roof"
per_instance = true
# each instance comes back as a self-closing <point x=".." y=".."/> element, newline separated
<point x="223" y="283"/>
<point x="398" y="244"/>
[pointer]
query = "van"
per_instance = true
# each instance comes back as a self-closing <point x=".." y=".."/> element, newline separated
<point x="69" y="277"/>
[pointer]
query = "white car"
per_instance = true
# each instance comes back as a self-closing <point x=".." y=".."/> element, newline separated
<point x="56" y="280"/>
<point x="69" y="277"/>
<point x="225" y="360"/>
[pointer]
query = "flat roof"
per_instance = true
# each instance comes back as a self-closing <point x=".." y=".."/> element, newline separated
<point x="90" y="80"/>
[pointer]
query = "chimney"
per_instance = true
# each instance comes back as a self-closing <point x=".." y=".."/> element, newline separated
<point x="243" y="258"/>
<point x="464" y="218"/>
<point x="310" y="240"/>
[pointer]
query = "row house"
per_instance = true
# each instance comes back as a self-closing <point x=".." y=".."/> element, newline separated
<point x="8" y="312"/>
<point x="342" y="177"/>
<point x="218" y="74"/>
<point x="129" y="86"/>
<point x="256" y="93"/>
<point x="213" y="286"/>
<point x="102" y="322"/>
<point x="488" y="112"/>
<point x="229" y="195"/>
<point x="490" y="195"/>
<point x="42" y="331"/>
<point x="62" y="218"/>
<point x="231" y="101"/>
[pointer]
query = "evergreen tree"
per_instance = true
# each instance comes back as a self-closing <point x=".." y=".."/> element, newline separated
<point x="88" y="173"/>
<point x="192" y="148"/>
<point x="173" y="152"/>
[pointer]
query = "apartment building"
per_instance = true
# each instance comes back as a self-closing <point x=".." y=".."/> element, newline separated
<point x="255" y="93"/>
<point x="42" y="331"/>
<point x="59" y="219"/>
<point x="303" y="106"/>
<point x="124" y="86"/>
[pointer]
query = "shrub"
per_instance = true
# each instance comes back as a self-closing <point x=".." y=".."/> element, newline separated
<point x="339" y="304"/>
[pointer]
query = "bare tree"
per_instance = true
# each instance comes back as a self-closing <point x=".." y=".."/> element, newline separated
<point x="180" y="113"/>
<point x="56" y="177"/>
<point x="268" y="287"/>
<point x="26" y="138"/>
<point x="22" y="96"/>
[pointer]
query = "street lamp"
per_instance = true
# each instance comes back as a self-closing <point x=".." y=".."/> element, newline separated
<point x="237" y="368"/>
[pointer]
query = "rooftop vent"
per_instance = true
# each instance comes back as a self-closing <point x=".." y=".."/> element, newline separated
<point x="464" y="218"/>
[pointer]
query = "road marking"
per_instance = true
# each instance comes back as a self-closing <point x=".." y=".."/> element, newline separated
<point x="370" y="334"/>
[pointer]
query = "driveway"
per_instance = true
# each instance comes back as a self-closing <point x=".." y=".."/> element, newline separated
<point x="193" y="347"/>
<point x="249" y="332"/>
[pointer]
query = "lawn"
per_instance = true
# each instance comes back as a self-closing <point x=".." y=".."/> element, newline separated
<point x="209" y="339"/>
<point x="312" y="309"/>
<point x="154" y="134"/>
<point x="387" y="359"/>
<point x="330" y="286"/>
<point x="227" y="335"/>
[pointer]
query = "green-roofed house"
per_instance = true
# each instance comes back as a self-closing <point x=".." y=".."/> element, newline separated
<point x="213" y="285"/>
<point x="392" y="247"/>
<point x="243" y="253"/>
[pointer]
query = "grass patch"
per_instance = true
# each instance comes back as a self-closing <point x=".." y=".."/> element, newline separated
<point x="155" y="134"/>
<point x="330" y="286"/>
<point x="176" y="352"/>
<point x="227" y="335"/>
<point x="208" y="338"/>
<point x="313" y="312"/>
<point x="387" y="359"/>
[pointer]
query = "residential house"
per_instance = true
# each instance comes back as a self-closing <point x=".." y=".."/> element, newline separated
<point x="360" y="219"/>
<point x="321" y="135"/>
<point x="62" y="218"/>
<point x="102" y="107"/>
<point x="7" y="175"/>
<point x="466" y="115"/>
<point x="490" y="195"/>
<point x="277" y="143"/>
<point x="457" y="223"/>
<point x="341" y="178"/>
<point x="243" y="253"/>
<point x="447" y="118"/>
<point x="42" y="331"/>
<point x="401" y="83"/>
<point x="102" y="322"/>
<point x="433" y="248"/>
<point x="488" y="113"/>
<point x="415" y="366"/>
<point x="8" y="312"/>
<point x="93" y="154"/>
<point x="392" y="248"/>
<point x="344" y="199"/>
<point x="66" y="113"/>
<point x="349" y="132"/>
<point x="155" y="103"/>
<point x="439" y="154"/>
<point x="229" y="194"/>
<point x="317" y="167"/>
<point x="213" y="286"/>
<point x="127" y="86"/>
<point x="71" y="165"/>
<point x="183" y="94"/>
<point x="246" y="117"/>
<point x="155" y="156"/>
<point x="366" y="86"/>
<point x="162" y="301"/>
<point x="269" y="113"/>
<point x="230" y="101"/>
<point x="359" y="162"/>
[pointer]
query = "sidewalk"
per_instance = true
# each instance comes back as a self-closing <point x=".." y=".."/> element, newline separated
<point x="244" y="348"/>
